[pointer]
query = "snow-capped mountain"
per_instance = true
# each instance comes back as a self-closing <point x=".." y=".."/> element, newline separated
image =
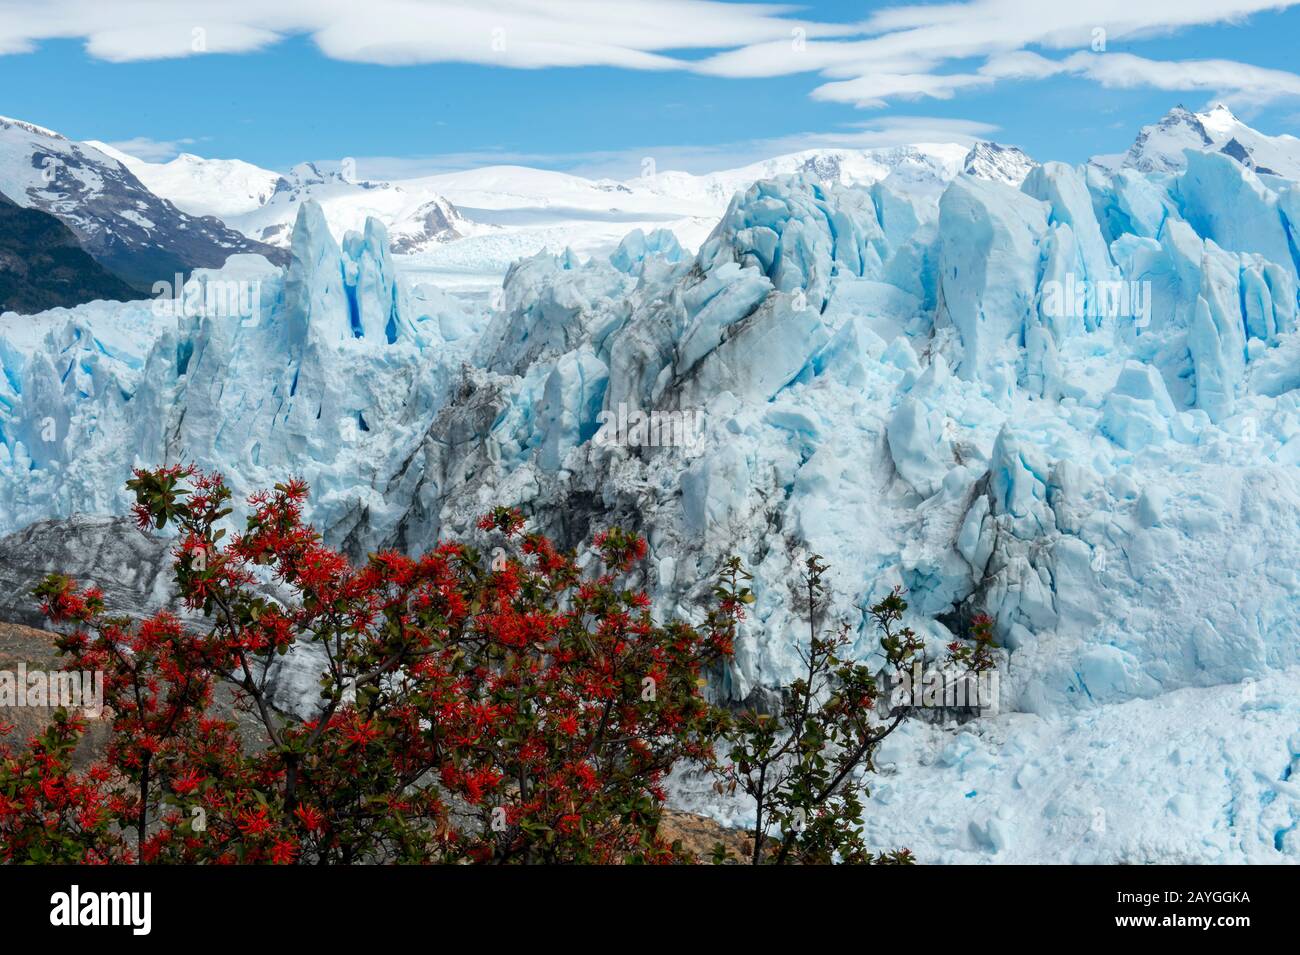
<point x="998" y="163"/>
<point x="263" y="204"/>
<point x="1072" y="404"/>
<point x="1160" y="147"/>
<point x="224" y="188"/>
<point x="126" y="228"/>
<point x="415" y="216"/>
<point x="925" y="162"/>
<point x="480" y="220"/>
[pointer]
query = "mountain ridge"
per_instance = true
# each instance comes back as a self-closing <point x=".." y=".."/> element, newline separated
<point x="136" y="235"/>
<point x="1161" y="146"/>
<point x="424" y="212"/>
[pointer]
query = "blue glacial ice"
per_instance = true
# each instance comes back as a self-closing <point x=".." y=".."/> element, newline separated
<point x="932" y="388"/>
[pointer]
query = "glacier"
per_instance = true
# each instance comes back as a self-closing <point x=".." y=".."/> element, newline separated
<point x="889" y="375"/>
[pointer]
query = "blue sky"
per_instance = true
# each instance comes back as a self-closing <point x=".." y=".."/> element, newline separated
<point x="572" y="85"/>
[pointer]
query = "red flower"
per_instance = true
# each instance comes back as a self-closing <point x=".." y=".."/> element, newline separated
<point x="254" y="822"/>
<point x="284" y="851"/>
<point x="311" y="817"/>
<point x="185" y="784"/>
<point x="479" y="782"/>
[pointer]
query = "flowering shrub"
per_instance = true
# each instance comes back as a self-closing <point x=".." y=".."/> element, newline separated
<point x="515" y="704"/>
<point x="502" y="707"/>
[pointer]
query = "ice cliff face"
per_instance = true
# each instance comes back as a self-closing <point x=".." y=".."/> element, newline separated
<point x="322" y="370"/>
<point x="1072" y="405"/>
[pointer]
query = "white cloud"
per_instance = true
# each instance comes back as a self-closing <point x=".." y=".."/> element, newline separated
<point x="1123" y="70"/>
<point x="151" y="150"/>
<point x="917" y="50"/>
<point x="911" y="51"/>
<point x="1226" y="78"/>
<point x="517" y="33"/>
<point x="1021" y="65"/>
<point x="926" y="35"/>
<point x="874" y="89"/>
<point x="894" y="130"/>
